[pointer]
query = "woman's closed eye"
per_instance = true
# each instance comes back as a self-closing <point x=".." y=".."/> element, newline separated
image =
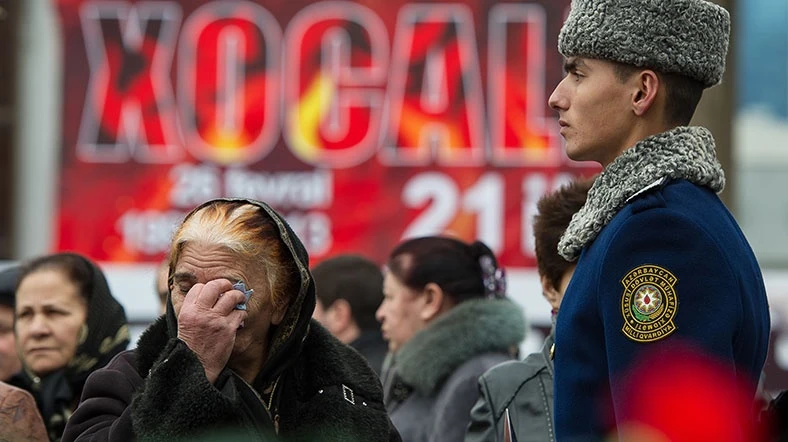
<point x="184" y="288"/>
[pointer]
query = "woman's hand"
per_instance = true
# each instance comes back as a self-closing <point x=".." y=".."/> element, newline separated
<point x="208" y="321"/>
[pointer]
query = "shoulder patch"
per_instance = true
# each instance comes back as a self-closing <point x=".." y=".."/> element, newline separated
<point x="649" y="303"/>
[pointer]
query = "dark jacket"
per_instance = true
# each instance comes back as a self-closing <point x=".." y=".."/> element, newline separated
<point x="312" y="387"/>
<point x="521" y="391"/>
<point x="662" y="265"/>
<point x="432" y="382"/>
<point x="373" y="347"/>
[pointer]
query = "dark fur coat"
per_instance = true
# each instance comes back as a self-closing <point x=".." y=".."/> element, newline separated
<point x="311" y="387"/>
<point x="159" y="392"/>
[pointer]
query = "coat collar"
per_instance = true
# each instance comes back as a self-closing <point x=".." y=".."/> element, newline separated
<point x="467" y="330"/>
<point x="548" y="349"/>
<point x="682" y="153"/>
<point x="150" y="345"/>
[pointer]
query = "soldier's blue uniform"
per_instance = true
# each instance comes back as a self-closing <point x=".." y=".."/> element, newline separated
<point x="663" y="267"/>
<point x="672" y="266"/>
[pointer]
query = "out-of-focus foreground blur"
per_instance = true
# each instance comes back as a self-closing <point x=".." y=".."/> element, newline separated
<point x="364" y="122"/>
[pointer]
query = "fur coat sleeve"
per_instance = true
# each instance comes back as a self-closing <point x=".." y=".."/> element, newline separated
<point x="174" y="402"/>
<point x="329" y="393"/>
<point x="104" y="412"/>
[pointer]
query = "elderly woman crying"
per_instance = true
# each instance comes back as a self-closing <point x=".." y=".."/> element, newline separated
<point x="237" y="353"/>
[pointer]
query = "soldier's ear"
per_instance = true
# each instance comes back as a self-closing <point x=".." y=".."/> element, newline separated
<point x="647" y="85"/>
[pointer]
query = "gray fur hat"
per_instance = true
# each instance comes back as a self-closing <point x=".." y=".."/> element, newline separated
<point x="688" y="37"/>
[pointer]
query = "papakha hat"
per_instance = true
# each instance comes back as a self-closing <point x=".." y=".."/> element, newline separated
<point x="688" y="37"/>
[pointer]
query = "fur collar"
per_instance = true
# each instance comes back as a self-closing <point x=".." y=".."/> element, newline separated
<point x="150" y="345"/>
<point x="682" y="153"/>
<point x="470" y="329"/>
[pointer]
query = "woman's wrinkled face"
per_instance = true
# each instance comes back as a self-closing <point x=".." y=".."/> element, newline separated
<point x="49" y="314"/>
<point x="200" y="263"/>
<point x="399" y="313"/>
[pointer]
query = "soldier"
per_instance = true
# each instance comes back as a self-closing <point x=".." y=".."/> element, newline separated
<point x="661" y="262"/>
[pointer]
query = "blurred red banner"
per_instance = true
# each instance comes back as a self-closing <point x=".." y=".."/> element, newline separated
<point x="362" y="122"/>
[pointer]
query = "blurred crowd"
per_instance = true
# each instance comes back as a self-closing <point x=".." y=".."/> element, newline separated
<point x="421" y="348"/>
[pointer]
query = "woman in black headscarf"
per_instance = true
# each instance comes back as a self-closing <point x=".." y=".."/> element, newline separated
<point x="67" y="325"/>
<point x="237" y="353"/>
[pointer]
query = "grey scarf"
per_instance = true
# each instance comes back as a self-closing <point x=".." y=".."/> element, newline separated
<point x="681" y="153"/>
